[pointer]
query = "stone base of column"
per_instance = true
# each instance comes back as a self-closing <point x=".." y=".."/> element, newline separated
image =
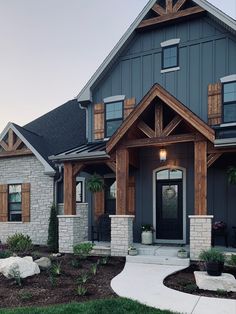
<point x="73" y="229"/>
<point x="121" y="234"/>
<point x="200" y="235"/>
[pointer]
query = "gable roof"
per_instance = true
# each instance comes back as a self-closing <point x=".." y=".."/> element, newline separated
<point x="58" y="130"/>
<point x="85" y="95"/>
<point x="159" y="92"/>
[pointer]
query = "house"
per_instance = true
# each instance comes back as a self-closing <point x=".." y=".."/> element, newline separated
<point x="29" y="181"/>
<point x="161" y="113"/>
<point x="160" y="130"/>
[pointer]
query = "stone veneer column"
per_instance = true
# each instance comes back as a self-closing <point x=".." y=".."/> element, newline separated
<point x="73" y="229"/>
<point x="121" y="234"/>
<point x="200" y="235"/>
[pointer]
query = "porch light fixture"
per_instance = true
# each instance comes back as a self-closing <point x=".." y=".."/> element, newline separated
<point x="162" y="154"/>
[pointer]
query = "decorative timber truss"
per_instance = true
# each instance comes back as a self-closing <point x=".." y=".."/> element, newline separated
<point x="11" y="145"/>
<point x="171" y="10"/>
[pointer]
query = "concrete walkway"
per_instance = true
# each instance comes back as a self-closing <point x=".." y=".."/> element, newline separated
<point x="144" y="283"/>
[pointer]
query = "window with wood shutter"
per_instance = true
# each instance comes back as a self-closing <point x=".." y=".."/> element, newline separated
<point x="99" y="117"/>
<point x="3" y="202"/>
<point x="214" y="104"/>
<point x="25" y="190"/>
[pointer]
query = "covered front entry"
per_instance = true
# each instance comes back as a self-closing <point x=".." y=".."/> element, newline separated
<point x="169" y="210"/>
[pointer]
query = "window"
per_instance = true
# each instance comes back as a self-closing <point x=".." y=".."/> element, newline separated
<point x="170" y="57"/>
<point x="79" y="190"/>
<point x="114" y="117"/>
<point x="14" y="202"/>
<point x="229" y="102"/>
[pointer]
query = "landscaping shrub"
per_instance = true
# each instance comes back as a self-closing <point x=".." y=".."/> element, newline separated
<point x="5" y="254"/>
<point x="82" y="250"/>
<point x="19" y="243"/>
<point x="212" y="255"/>
<point x="94" y="269"/>
<point x="56" y="269"/>
<point x="83" y="278"/>
<point x="81" y="290"/>
<point x="53" y="230"/>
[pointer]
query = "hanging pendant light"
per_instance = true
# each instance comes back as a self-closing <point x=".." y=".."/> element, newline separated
<point x="162" y="154"/>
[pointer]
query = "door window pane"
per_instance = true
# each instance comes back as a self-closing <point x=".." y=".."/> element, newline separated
<point x="169" y="174"/>
<point x="170" y="201"/>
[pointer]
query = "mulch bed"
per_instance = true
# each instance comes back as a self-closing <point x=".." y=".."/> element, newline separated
<point x="185" y="281"/>
<point x="38" y="290"/>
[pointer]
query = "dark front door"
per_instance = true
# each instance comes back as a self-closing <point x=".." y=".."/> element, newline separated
<point x="169" y="209"/>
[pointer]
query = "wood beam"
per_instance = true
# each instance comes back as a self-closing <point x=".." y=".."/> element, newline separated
<point x="158" y="9"/>
<point x="17" y="144"/>
<point x="200" y="177"/>
<point x="122" y="180"/>
<point x="111" y="165"/>
<point x="4" y="146"/>
<point x="16" y="153"/>
<point x="170" y="17"/>
<point x="224" y="150"/>
<point x="160" y="141"/>
<point x="77" y="168"/>
<point x="158" y="119"/>
<point x="171" y="126"/>
<point x="146" y="129"/>
<point x="212" y="158"/>
<point x="69" y="190"/>
<point x="10" y="139"/>
<point x="178" y="5"/>
<point x="169" y="6"/>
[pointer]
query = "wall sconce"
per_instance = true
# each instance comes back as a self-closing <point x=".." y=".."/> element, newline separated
<point x="162" y="154"/>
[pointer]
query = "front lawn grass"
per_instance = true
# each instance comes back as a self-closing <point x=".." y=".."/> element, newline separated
<point x="114" y="306"/>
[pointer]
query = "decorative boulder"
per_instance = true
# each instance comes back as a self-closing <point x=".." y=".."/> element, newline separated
<point x="225" y="282"/>
<point x="24" y="267"/>
<point x="43" y="262"/>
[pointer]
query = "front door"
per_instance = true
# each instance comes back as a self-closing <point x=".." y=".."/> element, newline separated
<point x="169" y="207"/>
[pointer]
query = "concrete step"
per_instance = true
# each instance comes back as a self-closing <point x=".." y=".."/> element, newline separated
<point x="171" y="252"/>
<point x="101" y="251"/>
<point x="158" y="260"/>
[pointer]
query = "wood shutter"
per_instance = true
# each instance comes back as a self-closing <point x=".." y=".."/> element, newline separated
<point x="129" y="105"/>
<point x="3" y="202"/>
<point x="99" y="204"/>
<point x="25" y="197"/>
<point x="131" y="196"/>
<point x="99" y="121"/>
<point x="214" y="104"/>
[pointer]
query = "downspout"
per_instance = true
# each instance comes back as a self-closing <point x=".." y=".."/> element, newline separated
<point x="86" y="110"/>
<point x="60" y="176"/>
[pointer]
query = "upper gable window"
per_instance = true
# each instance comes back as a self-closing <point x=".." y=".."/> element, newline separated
<point x="170" y="55"/>
<point x="229" y="102"/>
<point x="114" y="117"/>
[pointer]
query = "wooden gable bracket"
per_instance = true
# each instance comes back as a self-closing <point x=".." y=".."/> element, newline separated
<point x="172" y="125"/>
<point x="111" y="165"/>
<point x="169" y="13"/>
<point x="146" y="129"/>
<point x="11" y="146"/>
<point x="211" y="158"/>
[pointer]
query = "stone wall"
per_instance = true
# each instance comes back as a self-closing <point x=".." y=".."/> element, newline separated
<point x="73" y="229"/>
<point x="27" y="169"/>
<point x="200" y="235"/>
<point x="121" y="234"/>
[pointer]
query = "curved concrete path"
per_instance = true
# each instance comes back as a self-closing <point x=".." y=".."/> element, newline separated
<point x="144" y="283"/>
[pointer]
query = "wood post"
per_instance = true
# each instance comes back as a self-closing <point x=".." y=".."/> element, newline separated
<point x="200" y="177"/>
<point x="69" y="190"/>
<point x="122" y="180"/>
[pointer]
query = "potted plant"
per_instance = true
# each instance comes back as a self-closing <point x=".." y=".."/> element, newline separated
<point x="95" y="183"/>
<point x="147" y="234"/>
<point x="214" y="261"/>
<point x="132" y="251"/>
<point x="182" y="253"/>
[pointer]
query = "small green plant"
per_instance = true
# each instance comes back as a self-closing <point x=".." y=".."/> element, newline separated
<point x="94" y="269"/>
<point x="104" y="260"/>
<point x="25" y="295"/>
<point x="95" y="183"/>
<point x="212" y="255"/>
<point x="56" y="269"/>
<point x="19" y="243"/>
<point x="75" y="263"/>
<point x="53" y="230"/>
<point x="53" y="280"/>
<point x="15" y="274"/>
<point x="81" y="290"/>
<point x="232" y="260"/>
<point x="147" y="227"/>
<point x="82" y="250"/>
<point x="83" y="278"/>
<point x="221" y="292"/>
<point x="190" y="288"/>
<point x="5" y="254"/>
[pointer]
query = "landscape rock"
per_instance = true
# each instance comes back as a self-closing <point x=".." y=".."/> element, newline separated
<point x="25" y="266"/>
<point x="225" y="282"/>
<point x="43" y="262"/>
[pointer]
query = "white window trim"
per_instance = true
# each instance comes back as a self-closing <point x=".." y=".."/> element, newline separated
<point x="228" y="79"/>
<point x="170" y="70"/>
<point x="170" y="42"/>
<point x="82" y="179"/>
<point x="114" y="98"/>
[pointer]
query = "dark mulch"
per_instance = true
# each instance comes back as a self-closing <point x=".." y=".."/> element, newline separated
<point x="39" y="290"/>
<point x="184" y="281"/>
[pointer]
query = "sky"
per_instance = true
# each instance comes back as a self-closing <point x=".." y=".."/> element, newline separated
<point x="50" y="48"/>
